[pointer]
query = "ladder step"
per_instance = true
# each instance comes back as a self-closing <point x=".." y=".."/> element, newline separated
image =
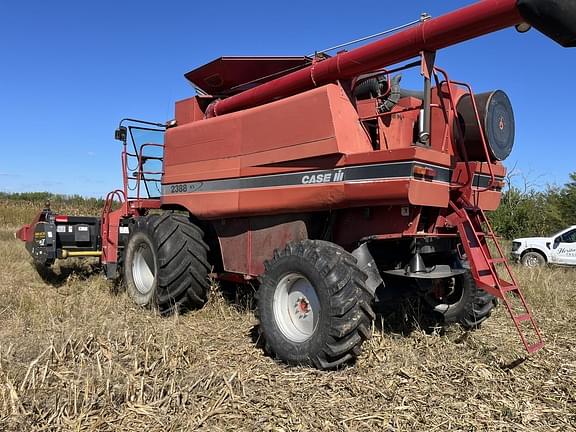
<point x="509" y="288"/>
<point x="535" y="347"/>
<point x="483" y="234"/>
<point x="522" y="318"/>
<point x="498" y="260"/>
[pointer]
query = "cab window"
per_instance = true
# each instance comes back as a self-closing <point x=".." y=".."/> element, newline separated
<point x="569" y="237"/>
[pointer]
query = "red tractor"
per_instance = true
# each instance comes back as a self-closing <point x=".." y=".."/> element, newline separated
<point x="326" y="183"/>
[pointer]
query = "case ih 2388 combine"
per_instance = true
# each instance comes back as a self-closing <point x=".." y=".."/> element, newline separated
<point x="321" y="179"/>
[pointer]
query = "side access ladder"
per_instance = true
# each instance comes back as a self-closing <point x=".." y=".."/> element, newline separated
<point x="475" y="232"/>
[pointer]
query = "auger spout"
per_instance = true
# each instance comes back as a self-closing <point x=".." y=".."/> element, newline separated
<point x="555" y="18"/>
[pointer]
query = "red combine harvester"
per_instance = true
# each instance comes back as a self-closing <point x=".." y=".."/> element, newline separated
<point x="325" y="182"/>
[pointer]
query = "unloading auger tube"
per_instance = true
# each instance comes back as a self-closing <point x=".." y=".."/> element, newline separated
<point x="555" y="18"/>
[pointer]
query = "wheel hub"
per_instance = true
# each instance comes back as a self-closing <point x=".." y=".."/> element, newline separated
<point x="443" y="288"/>
<point x="302" y="307"/>
<point x="296" y="307"/>
<point x="445" y="294"/>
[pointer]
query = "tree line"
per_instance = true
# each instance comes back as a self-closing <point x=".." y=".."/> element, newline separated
<point x="530" y="212"/>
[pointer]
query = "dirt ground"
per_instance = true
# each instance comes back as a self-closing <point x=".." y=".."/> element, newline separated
<point x="76" y="355"/>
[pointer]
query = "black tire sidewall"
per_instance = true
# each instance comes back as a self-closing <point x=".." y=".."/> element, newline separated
<point x="291" y="351"/>
<point x="180" y="263"/>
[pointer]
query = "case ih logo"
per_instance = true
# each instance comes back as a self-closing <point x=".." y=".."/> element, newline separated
<point x="328" y="177"/>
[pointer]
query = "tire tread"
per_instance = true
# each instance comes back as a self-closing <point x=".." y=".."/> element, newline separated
<point x="350" y="311"/>
<point x="182" y="255"/>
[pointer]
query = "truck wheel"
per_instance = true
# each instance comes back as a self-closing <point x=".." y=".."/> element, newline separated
<point x="533" y="259"/>
<point x="313" y="306"/>
<point x="458" y="300"/>
<point x="166" y="265"/>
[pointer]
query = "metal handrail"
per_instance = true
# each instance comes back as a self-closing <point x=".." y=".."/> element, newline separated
<point x="141" y="174"/>
<point x="455" y="114"/>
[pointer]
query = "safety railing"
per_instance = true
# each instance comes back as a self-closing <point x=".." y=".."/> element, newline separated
<point x="459" y="138"/>
<point x="141" y="181"/>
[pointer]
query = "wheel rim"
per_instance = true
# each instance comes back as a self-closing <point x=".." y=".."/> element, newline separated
<point x="296" y="307"/>
<point x="531" y="261"/>
<point x="446" y="293"/>
<point x="143" y="269"/>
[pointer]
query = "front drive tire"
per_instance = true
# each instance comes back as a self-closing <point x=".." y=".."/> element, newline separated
<point x="313" y="305"/>
<point x="166" y="264"/>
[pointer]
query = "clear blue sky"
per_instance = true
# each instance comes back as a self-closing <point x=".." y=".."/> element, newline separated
<point x="70" y="70"/>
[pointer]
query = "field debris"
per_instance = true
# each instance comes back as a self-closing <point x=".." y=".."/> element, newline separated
<point x="77" y="355"/>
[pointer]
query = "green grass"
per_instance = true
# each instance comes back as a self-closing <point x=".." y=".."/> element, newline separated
<point x="17" y="209"/>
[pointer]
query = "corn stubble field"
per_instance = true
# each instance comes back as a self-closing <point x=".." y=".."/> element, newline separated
<point x="76" y="354"/>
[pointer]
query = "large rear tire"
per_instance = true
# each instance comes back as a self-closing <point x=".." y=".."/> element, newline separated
<point x="462" y="302"/>
<point x="166" y="264"/>
<point x="313" y="305"/>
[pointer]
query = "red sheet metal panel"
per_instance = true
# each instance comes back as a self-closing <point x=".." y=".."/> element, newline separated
<point x="246" y="243"/>
<point x="230" y="75"/>
<point x="487" y="200"/>
<point x="356" y="223"/>
<point x="317" y="197"/>
<point x="319" y="123"/>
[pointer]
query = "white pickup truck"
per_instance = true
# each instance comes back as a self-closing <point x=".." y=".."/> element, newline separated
<point x="537" y="251"/>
